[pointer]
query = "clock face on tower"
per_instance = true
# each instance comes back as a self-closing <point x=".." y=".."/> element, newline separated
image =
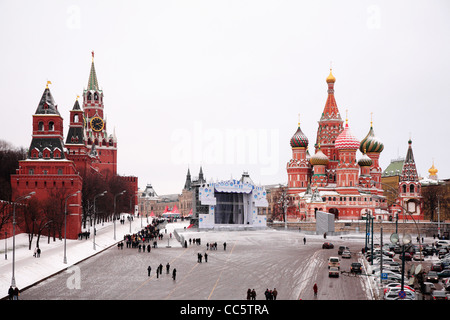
<point x="97" y="124"/>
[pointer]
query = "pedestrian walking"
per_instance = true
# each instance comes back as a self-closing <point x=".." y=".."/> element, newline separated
<point x="149" y="269"/>
<point x="174" y="274"/>
<point x="253" y="294"/>
<point x="10" y="293"/>
<point x="225" y="246"/>
<point x="167" y="268"/>
<point x="274" y="293"/>
<point x="206" y="257"/>
<point x="315" y="289"/>
<point x="304" y="240"/>
<point x="249" y="294"/>
<point x="38" y="252"/>
<point x="16" y="293"/>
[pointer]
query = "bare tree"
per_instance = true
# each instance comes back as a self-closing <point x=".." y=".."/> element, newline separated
<point x="434" y="196"/>
<point x="282" y="201"/>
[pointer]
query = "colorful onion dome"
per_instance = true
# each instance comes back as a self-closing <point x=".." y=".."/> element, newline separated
<point x="371" y="143"/>
<point x="319" y="158"/>
<point x="346" y="140"/>
<point x="331" y="78"/>
<point x="365" y="161"/>
<point x="299" y="139"/>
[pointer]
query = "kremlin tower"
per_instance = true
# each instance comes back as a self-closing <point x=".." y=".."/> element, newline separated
<point x="95" y="125"/>
<point x="55" y="170"/>
<point x="47" y="171"/>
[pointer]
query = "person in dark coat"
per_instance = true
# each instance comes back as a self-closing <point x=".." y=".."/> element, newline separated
<point x="315" y="289"/>
<point x="16" y="293"/>
<point x="174" y="274"/>
<point x="10" y="293"/>
<point x="149" y="269"/>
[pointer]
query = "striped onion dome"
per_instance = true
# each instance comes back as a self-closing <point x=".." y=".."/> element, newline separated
<point x="365" y="161"/>
<point x="346" y="140"/>
<point x="299" y="139"/>
<point x="319" y="158"/>
<point x="371" y="143"/>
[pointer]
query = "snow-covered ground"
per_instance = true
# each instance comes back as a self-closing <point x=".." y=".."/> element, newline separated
<point x="29" y="270"/>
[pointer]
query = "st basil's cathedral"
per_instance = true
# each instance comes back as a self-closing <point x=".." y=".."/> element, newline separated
<point x="334" y="180"/>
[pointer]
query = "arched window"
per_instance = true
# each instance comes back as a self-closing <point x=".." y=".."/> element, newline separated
<point x="51" y="126"/>
<point x="96" y="96"/>
<point x="404" y="188"/>
<point x="41" y="126"/>
<point x="411" y="188"/>
<point x="89" y="96"/>
<point x="76" y="118"/>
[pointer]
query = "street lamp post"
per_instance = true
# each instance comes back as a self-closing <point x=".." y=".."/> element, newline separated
<point x="95" y="215"/>
<point x="115" y="196"/>
<point x="406" y="239"/>
<point x="28" y="196"/>
<point x="6" y="245"/>
<point x="65" y="225"/>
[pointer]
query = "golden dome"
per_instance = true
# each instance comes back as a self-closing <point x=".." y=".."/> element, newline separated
<point x="432" y="171"/>
<point x="331" y="78"/>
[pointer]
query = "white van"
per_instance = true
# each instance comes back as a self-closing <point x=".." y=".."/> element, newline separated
<point x="334" y="262"/>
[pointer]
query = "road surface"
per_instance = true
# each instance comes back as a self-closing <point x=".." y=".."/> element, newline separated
<point x="252" y="259"/>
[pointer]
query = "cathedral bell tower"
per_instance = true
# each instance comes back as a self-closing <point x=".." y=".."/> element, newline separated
<point x="330" y="126"/>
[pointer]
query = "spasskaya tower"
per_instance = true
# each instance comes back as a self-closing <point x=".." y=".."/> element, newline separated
<point x="95" y="125"/>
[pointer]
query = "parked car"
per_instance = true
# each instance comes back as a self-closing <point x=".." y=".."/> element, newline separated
<point x="442" y="253"/>
<point x="441" y="243"/>
<point x="446" y="284"/>
<point x="419" y="256"/>
<point x="333" y="272"/>
<point x="385" y="260"/>
<point x="398" y="286"/>
<point x="342" y="249"/>
<point x="356" y="267"/>
<point x="346" y="254"/>
<point x="437" y="266"/>
<point x="439" y="295"/>
<point x="429" y="250"/>
<point x="393" y="294"/>
<point x="327" y="245"/>
<point x="444" y="273"/>
<point x="432" y="276"/>
<point x="393" y="277"/>
<point x="394" y="269"/>
<point x="408" y="256"/>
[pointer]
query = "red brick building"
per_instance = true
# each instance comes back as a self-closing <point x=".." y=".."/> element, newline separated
<point x="54" y="169"/>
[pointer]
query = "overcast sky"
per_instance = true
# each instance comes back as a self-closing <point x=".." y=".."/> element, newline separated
<point x="220" y="84"/>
